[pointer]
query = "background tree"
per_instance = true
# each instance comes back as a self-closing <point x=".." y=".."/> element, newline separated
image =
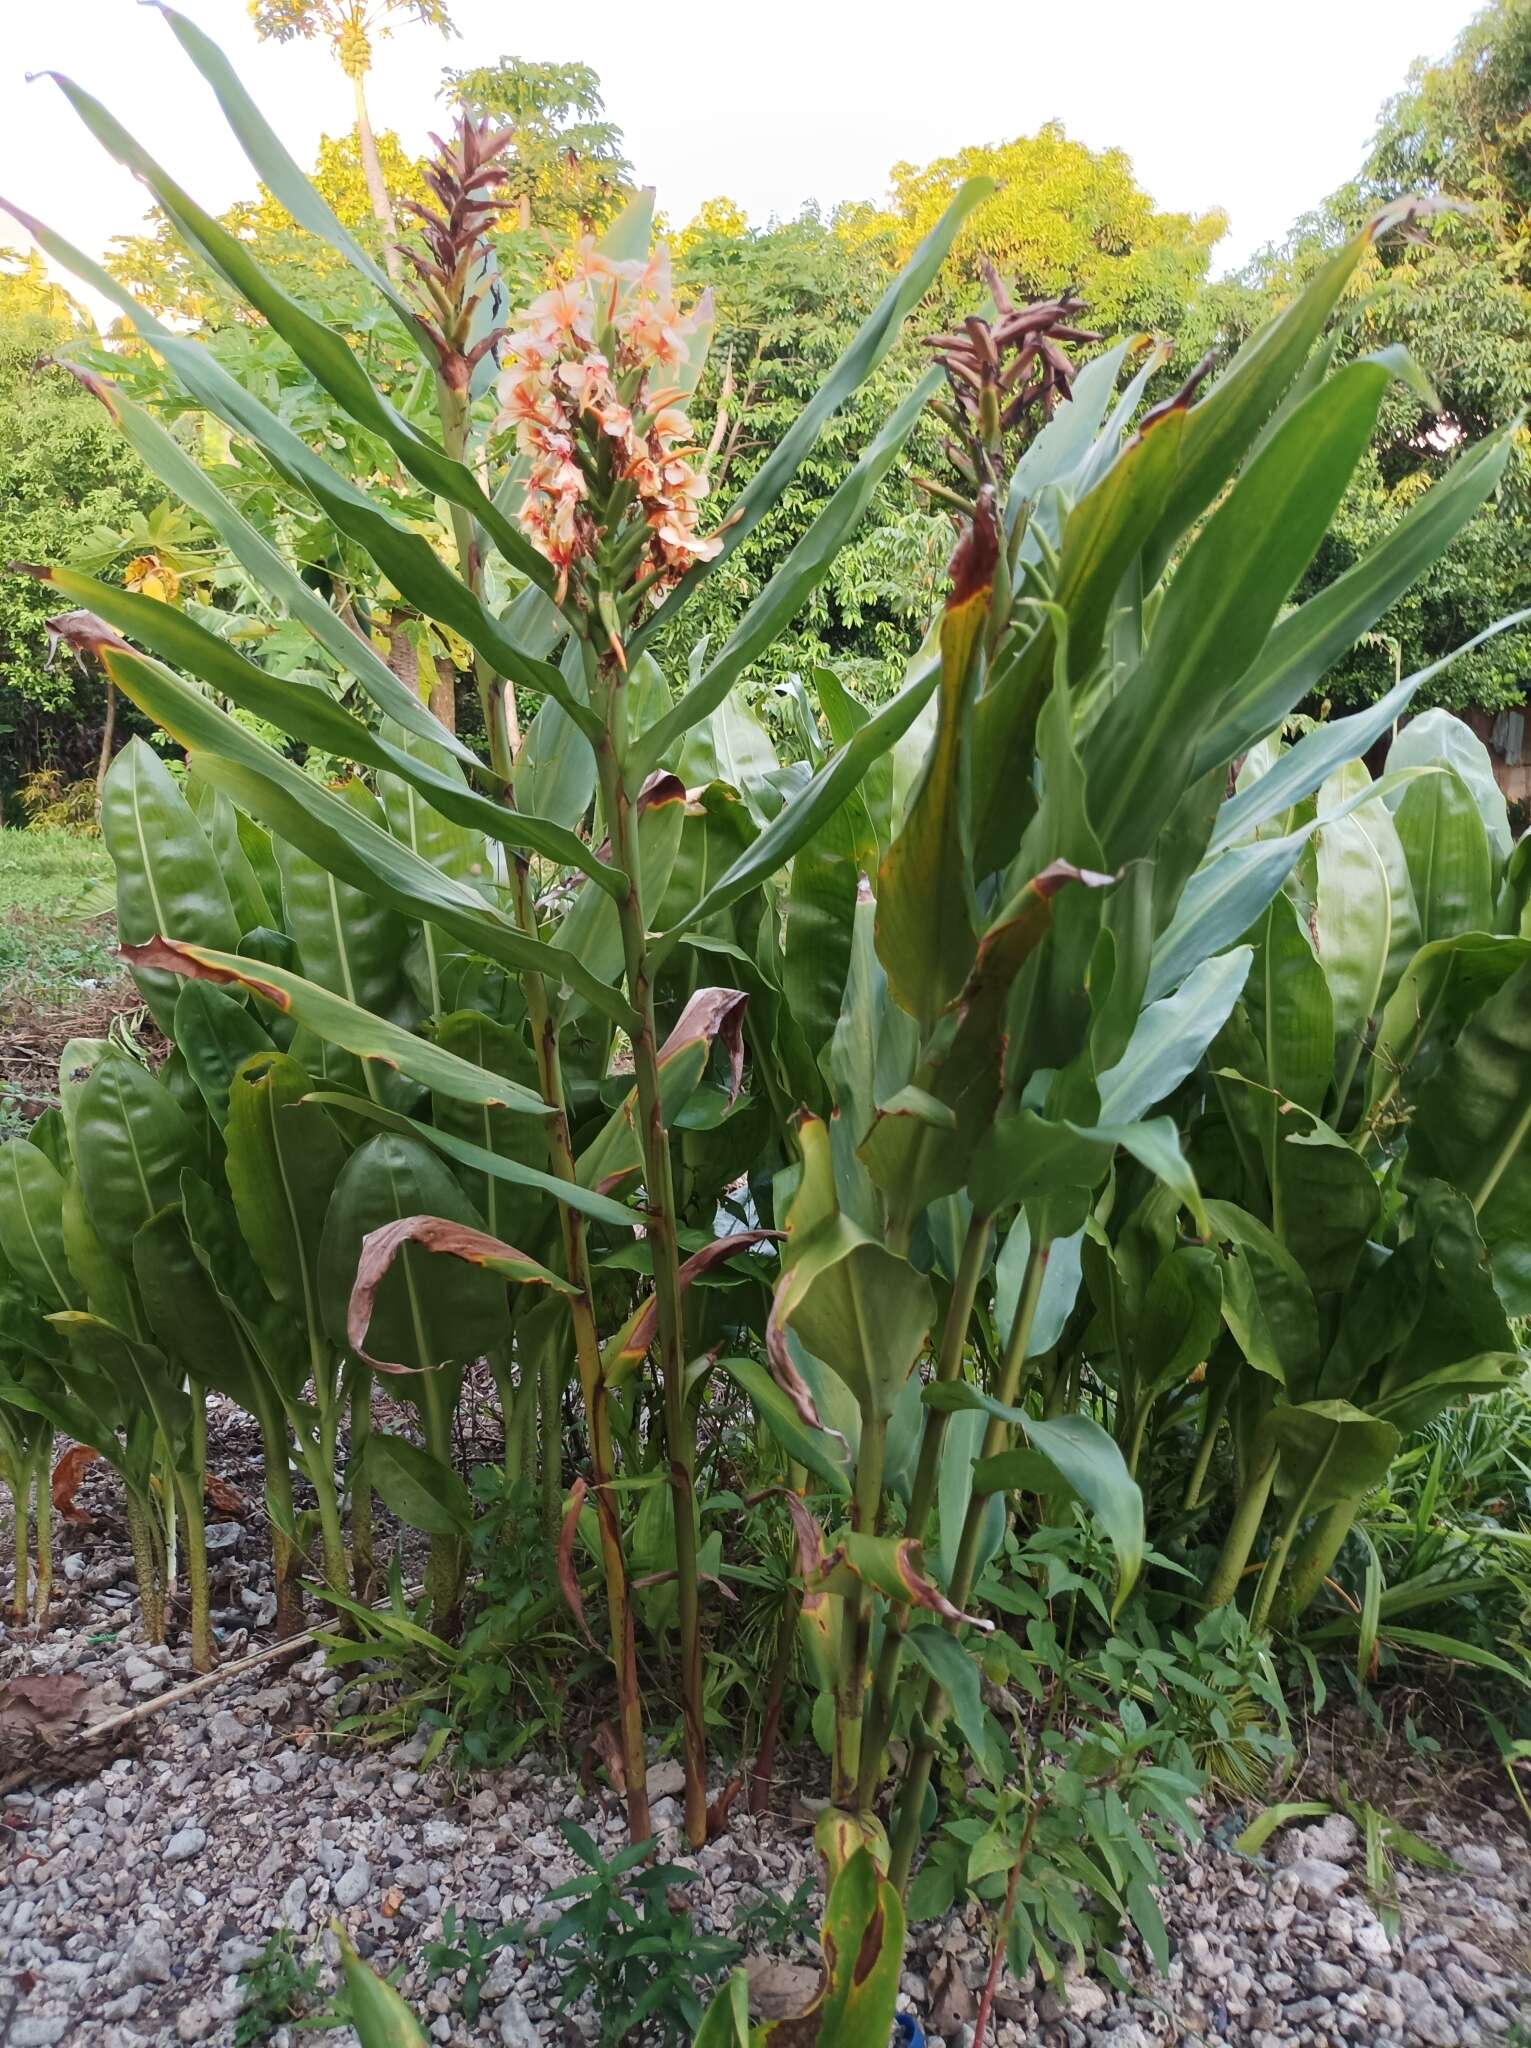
<point x="1064" y="214"/>
<point x="569" y="169"/>
<point x="67" y="479"/>
<point x="350" y="27"/>
<point x="1459" y="299"/>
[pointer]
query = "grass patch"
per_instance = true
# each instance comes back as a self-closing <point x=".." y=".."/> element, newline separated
<point x="59" y="974"/>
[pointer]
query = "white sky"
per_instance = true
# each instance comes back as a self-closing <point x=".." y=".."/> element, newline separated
<point x="1257" y="108"/>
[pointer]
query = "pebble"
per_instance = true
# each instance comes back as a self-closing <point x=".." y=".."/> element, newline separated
<point x="138" y="1896"/>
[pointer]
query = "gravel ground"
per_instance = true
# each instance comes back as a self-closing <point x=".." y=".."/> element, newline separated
<point x="130" y="1897"/>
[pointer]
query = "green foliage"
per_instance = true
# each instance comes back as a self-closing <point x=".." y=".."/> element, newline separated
<point x="568" y="170"/>
<point x="278" y="1986"/>
<point x="624" y="1943"/>
<point x="980" y="1106"/>
<point x="65" y="479"/>
<point x="1458" y="299"/>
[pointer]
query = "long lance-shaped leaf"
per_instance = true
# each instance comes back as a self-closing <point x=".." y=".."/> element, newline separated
<point x="1223" y="427"/>
<point x="278" y="172"/>
<point x="305" y="712"/>
<point x="1230" y="889"/>
<point x="1220" y="607"/>
<point x="1303" y="646"/>
<point x="323" y="352"/>
<point x="821" y="796"/>
<point x="1102" y="537"/>
<point x="440" y="1234"/>
<point x="926" y="913"/>
<point x="803" y="571"/>
<point x="341" y="1023"/>
<point x="1317" y="754"/>
<point x="269" y="571"/>
<point x="406" y="558"/>
<point x="599" y="1208"/>
<point x="867" y="349"/>
<point x="271" y="788"/>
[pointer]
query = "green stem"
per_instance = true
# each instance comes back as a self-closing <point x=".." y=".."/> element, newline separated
<point x="1222" y="1586"/>
<point x="147" y="1567"/>
<point x="1212" y="1421"/>
<point x="680" y="1441"/>
<point x="856" y="1623"/>
<point x="550" y="1438"/>
<point x="363" y="1574"/>
<point x="1315" y="1560"/>
<point x="43" y="1591"/>
<point x="190" y="1489"/>
<point x="936" y="1706"/>
<point x="1140" y="1414"/>
<point x="21" y="1545"/>
<point x="1275" y="1563"/>
<point x="954" y="1336"/>
<point x="285" y="1562"/>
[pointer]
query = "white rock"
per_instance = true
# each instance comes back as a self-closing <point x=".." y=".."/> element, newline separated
<point x="185" y="1842"/>
<point x="1478" y="1859"/>
<point x="194" y="2022"/>
<point x="443" y="1834"/>
<point x="351" y="1885"/>
<point x="1333" y="1839"/>
<point x="1316" y="1876"/>
<point x="516" y="2029"/>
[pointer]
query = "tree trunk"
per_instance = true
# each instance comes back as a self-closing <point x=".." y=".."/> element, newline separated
<point x="104" y="761"/>
<point x="377" y="190"/>
<point x="443" y="702"/>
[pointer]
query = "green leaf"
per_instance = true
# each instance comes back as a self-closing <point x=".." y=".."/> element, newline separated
<point x="494" y="1165"/>
<point x="341" y="1023"/>
<point x="1027" y="1157"/>
<point x="865" y="351"/>
<point x="1226" y="421"/>
<point x="950" y="1665"/>
<point x="851" y="1300"/>
<point x="820" y="916"/>
<point x="334" y="833"/>
<point x="820" y="798"/>
<point x="1085" y="1458"/>
<point x="1221" y="603"/>
<point x="169" y="883"/>
<point x="1304" y="645"/>
<point x="1330" y="1451"/>
<point x="814" y="1448"/>
<point x="1301" y="768"/>
<point x="132" y="1143"/>
<point x="267" y="569"/>
<point x="1449" y="857"/>
<point x="306" y="712"/>
<point x="1366" y="927"/>
<point x="1178" y="1321"/>
<point x="793" y="581"/>
<point x="323" y="351"/>
<point x="1440" y="736"/>
<point x="427" y="1311"/>
<point x="1265" y="1824"/>
<point x="1102" y="537"/>
<point x="32" y="1225"/>
<point x="1471" y="1125"/>
<point x="422" y="1491"/>
<point x="215" y="1035"/>
<point x="1290" y="1009"/>
<point x="277" y="171"/>
<point x="1441" y="987"/>
<point x="1171" y="1036"/>
<point x="927" y="916"/>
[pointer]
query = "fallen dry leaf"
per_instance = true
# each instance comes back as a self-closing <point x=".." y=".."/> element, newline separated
<point x="779" y="1990"/>
<point x="40" y="1722"/>
<point x="67" y="1474"/>
<point x="228" y="1500"/>
<point x="393" y="1898"/>
<point x="952" y="2002"/>
<point x="603" y="1749"/>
